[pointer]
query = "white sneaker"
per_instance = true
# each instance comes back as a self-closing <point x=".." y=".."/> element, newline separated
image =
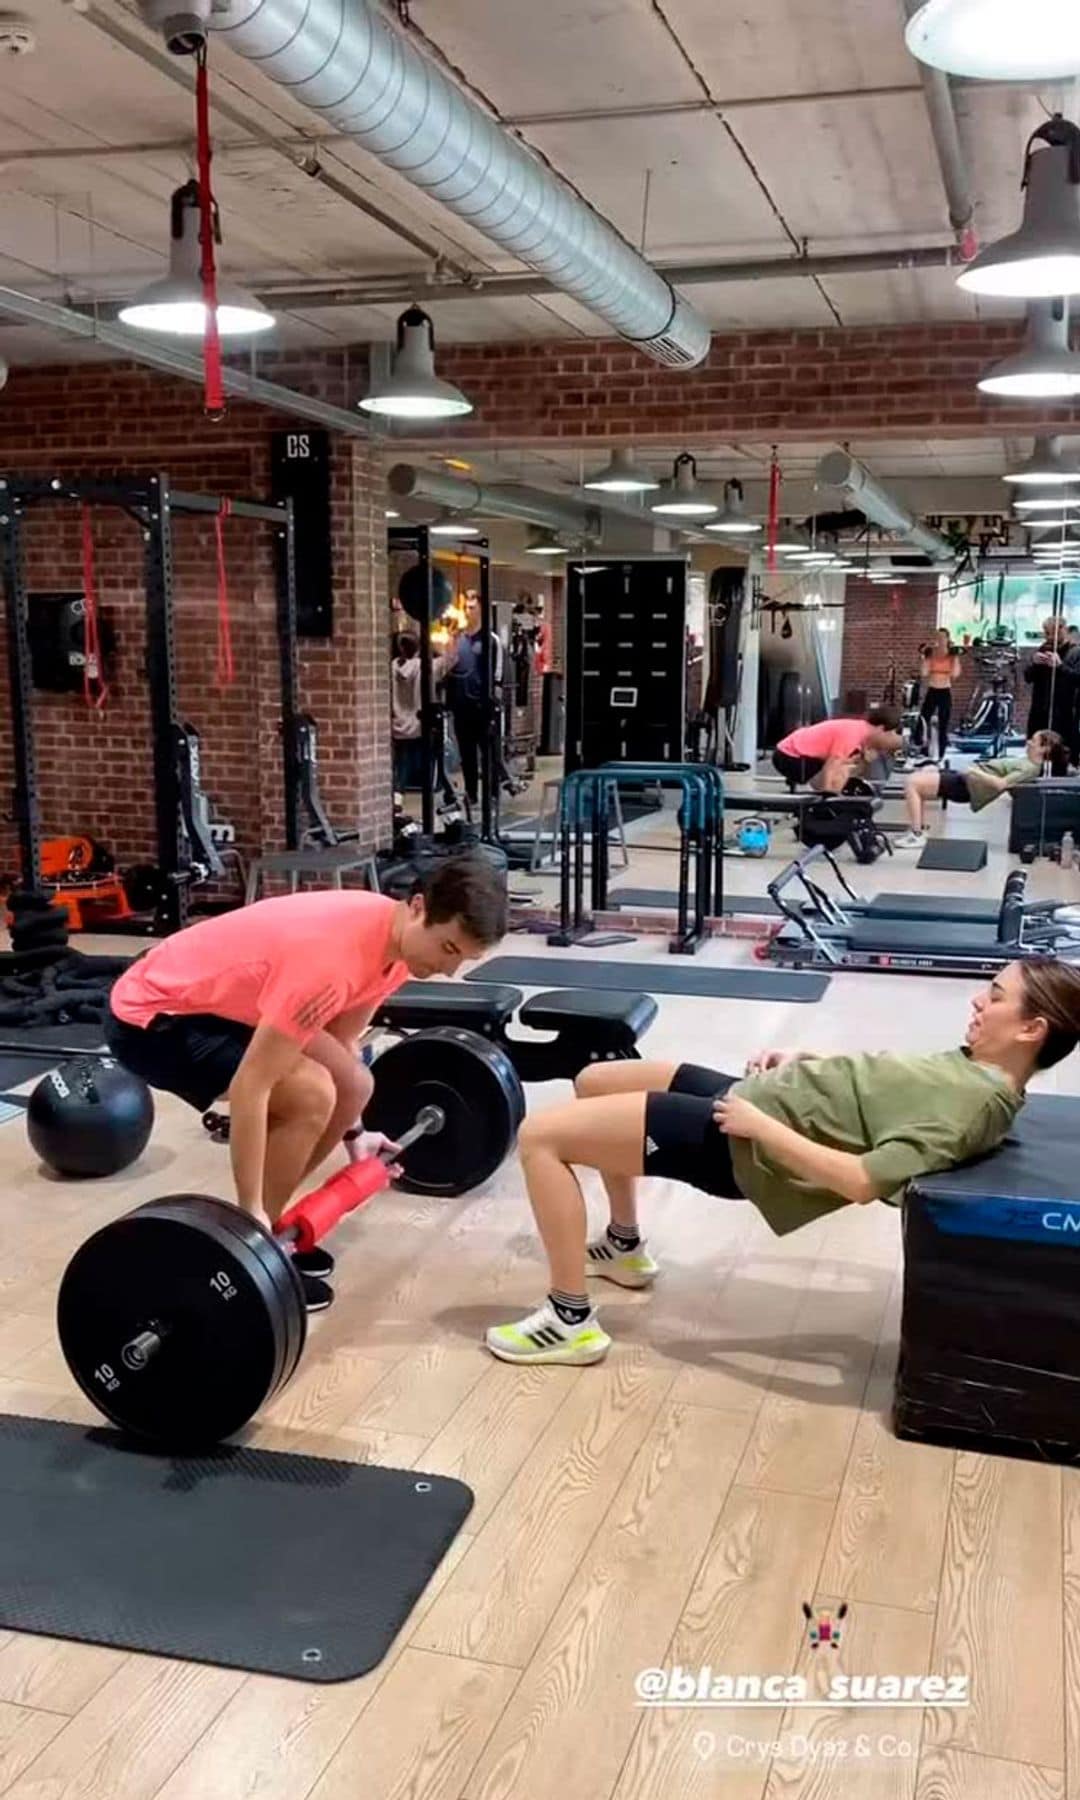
<point x="542" y="1337"/>
<point x="910" y="840"/>
<point x="629" y="1268"/>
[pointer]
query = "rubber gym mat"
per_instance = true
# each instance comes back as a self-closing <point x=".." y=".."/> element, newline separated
<point x="963" y="854"/>
<point x="281" y="1564"/>
<point x="934" y="906"/>
<point x="654" y="977"/>
<point x="667" y="900"/>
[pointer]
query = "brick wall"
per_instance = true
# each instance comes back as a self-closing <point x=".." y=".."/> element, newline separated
<point x="94" y="766"/>
<point x="897" y="381"/>
<point x="883" y="629"/>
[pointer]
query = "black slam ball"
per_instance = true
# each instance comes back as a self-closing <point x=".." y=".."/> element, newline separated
<point x="90" y="1117"/>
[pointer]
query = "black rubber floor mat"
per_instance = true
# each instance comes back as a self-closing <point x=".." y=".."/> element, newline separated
<point x="667" y="900"/>
<point x="965" y="855"/>
<point x="287" y="1565"/>
<point x="51" y="1045"/>
<point x="654" y="977"/>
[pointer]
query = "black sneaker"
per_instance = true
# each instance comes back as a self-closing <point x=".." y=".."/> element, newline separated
<point x="314" y="1262"/>
<point x="318" y="1295"/>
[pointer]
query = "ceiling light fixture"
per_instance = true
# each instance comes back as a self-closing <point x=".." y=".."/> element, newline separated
<point x="174" y="304"/>
<point x="544" y="543"/>
<point x="391" y="514"/>
<point x="412" y="390"/>
<point x="681" y="497"/>
<point x="621" y="476"/>
<point x="998" y="40"/>
<point x="1046" y="368"/>
<point x="1042" y="259"/>
<point x="1036" y="503"/>
<point x="1045" y="467"/>
<point x="733" y="520"/>
<point x="453" y="528"/>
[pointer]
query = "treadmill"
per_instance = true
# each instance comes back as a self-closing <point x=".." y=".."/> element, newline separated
<point x="821" y="933"/>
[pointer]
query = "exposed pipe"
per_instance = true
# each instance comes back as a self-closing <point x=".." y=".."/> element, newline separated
<point x="464" y="498"/>
<point x="839" y="470"/>
<point x="304" y="160"/>
<point x="390" y="289"/>
<point x="673" y="109"/>
<point x="141" y="347"/>
<point x="349" y="65"/>
<point x="950" y="155"/>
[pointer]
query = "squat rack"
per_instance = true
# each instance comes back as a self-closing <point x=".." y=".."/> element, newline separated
<point x="151" y="501"/>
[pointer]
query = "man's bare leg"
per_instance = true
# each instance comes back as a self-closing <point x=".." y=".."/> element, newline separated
<point x="298" y="1110"/>
<point x="600" y="1079"/>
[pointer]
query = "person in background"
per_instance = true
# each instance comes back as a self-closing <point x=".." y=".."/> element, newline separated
<point x="975" y="787"/>
<point x="1053" y="684"/>
<point x="940" y="667"/>
<point x="826" y="756"/>
<point x="465" y="695"/>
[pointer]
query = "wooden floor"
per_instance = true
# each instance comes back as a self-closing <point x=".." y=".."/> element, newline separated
<point x="677" y="1504"/>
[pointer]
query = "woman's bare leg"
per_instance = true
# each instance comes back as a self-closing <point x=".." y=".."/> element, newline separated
<point x="606" y="1133"/>
<point x="920" y="787"/>
<point x="623" y="1078"/>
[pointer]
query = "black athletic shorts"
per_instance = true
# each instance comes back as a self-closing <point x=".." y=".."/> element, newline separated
<point x="194" y="1055"/>
<point x="953" y="787"/>
<point x="681" y="1141"/>
<point x="798" y="769"/>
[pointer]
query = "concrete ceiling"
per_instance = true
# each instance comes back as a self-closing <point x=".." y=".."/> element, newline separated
<point x="770" y="169"/>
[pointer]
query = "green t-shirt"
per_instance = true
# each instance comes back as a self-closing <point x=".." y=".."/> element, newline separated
<point x="903" y="1115"/>
<point x="1013" y="770"/>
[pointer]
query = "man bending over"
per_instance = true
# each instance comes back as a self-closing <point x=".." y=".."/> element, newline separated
<point x="266" y="1005"/>
<point x="826" y="756"/>
<point x="800" y="1136"/>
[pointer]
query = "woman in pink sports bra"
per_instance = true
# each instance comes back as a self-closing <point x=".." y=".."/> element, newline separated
<point x="825" y="756"/>
<point x="940" y="668"/>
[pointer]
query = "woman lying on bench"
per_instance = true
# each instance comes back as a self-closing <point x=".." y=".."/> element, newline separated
<point x="978" y="785"/>
<point x="800" y="1136"/>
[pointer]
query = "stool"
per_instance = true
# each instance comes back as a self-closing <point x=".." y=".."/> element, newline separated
<point x="539" y="858"/>
<point x="317" y="860"/>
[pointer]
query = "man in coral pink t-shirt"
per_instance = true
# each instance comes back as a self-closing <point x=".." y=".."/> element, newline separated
<point x="825" y="756"/>
<point x="266" y="1005"/>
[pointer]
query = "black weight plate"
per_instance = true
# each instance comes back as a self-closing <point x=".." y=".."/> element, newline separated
<point x="477" y="1087"/>
<point x="224" y="1298"/>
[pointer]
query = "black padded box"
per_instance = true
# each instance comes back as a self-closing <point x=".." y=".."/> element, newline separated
<point x="989" y="1338"/>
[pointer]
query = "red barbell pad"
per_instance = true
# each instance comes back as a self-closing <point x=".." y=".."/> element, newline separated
<point x="315" y="1214"/>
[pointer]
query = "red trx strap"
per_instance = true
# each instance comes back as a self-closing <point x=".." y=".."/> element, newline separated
<point x="774" y="510"/>
<point x="225" y="669"/>
<point x="214" y="393"/>
<point x="93" y="668"/>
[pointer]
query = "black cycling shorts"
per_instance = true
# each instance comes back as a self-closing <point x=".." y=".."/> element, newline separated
<point x="194" y="1055"/>
<point x="681" y="1141"/>
<point x="797" y="769"/>
<point x="953" y="787"/>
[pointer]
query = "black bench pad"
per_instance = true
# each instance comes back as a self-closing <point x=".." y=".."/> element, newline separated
<point x="564" y="1007"/>
<point x="419" y="1003"/>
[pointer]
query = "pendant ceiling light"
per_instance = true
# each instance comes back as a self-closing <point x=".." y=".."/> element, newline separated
<point x="621" y="476"/>
<point x="1045" y="467"/>
<point x="681" y="497"/>
<point x="998" y="40"/>
<point x="174" y="304"/>
<point x="412" y="390"/>
<point x="1060" y="501"/>
<point x="544" y="543"/>
<point x="1046" y="368"/>
<point x="733" y="520"/>
<point x="453" y="528"/>
<point x="1042" y="259"/>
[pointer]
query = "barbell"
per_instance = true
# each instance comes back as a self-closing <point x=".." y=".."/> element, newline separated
<point x="180" y="1320"/>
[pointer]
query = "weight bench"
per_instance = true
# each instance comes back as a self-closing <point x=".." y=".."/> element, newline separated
<point x="989" y="1354"/>
<point x="588" y="1027"/>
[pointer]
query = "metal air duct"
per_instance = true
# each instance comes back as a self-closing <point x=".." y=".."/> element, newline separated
<point x="839" y="470"/>
<point x="359" y="74"/>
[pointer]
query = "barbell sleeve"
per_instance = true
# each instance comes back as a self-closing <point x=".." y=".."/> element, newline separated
<point x="313" y="1215"/>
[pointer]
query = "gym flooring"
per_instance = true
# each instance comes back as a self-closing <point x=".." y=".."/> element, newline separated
<point x="676" y="1504"/>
